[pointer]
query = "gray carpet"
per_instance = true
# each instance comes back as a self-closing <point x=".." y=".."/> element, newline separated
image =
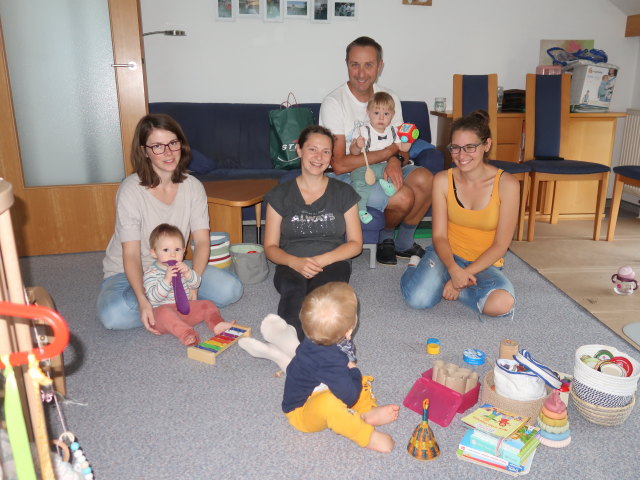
<point x="142" y="410"/>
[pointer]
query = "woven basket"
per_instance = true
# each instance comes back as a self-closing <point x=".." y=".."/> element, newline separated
<point x="608" y="417"/>
<point x="621" y="386"/>
<point x="529" y="408"/>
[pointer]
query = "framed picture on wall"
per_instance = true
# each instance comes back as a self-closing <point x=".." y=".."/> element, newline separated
<point x="345" y="10"/>
<point x="249" y="8"/>
<point x="320" y="11"/>
<point x="297" y="9"/>
<point x="424" y="3"/>
<point x="273" y="11"/>
<point x="225" y="10"/>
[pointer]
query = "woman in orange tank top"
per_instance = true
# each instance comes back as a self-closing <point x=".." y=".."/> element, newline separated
<point x="475" y="210"/>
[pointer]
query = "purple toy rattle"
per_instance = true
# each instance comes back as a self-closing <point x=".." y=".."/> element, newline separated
<point x="182" y="302"/>
<point x="624" y="282"/>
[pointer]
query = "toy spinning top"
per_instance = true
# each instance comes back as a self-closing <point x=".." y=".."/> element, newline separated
<point x="624" y="282"/>
<point x="422" y="444"/>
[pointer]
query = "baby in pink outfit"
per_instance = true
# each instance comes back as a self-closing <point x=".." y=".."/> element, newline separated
<point x="167" y="243"/>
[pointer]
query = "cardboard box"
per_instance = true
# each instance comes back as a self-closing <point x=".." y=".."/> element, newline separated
<point x="591" y="84"/>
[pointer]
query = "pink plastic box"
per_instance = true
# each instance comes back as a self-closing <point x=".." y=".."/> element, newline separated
<point x="444" y="403"/>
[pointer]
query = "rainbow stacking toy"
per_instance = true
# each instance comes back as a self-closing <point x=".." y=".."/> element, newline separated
<point x="208" y="350"/>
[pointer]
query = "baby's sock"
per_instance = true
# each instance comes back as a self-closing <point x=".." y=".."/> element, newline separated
<point x="365" y="217"/>
<point x="388" y="187"/>
<point x="257" y="349"/>
<point x="278" y="332"/>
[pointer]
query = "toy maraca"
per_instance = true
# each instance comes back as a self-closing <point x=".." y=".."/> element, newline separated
<point x="624" y="282"/>
<point x="182" y="302"/>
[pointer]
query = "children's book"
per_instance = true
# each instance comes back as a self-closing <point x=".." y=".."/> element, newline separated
<point x="489" y="464"/>
<point x="494" y="421"/>
<point x="469" y="448"/>
<point x="521" y="443"/>
<point x="515" y="448"/>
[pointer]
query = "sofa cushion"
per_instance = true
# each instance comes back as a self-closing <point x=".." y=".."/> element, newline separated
<point x="200" y="163"/>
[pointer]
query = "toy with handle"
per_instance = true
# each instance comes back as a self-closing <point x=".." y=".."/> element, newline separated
<point x="182" y="302"/>
<point x="422" y="444"/>
<point x="369" y="175"/>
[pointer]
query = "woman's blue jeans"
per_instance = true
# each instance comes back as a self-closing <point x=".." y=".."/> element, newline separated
<point x="422" y="286"/>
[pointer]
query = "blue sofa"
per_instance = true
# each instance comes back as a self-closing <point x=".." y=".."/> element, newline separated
<point x="231" y="141"/>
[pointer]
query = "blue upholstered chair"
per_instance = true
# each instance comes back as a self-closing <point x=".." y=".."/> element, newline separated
<point x="480" y="92"/>
<point x="546" y="126"/>
<point x="625" y="175"/>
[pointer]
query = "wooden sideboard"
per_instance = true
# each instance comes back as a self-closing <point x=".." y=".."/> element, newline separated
<point x="591" y="137"/>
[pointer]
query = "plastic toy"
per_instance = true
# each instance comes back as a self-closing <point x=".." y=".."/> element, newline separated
<point x="422" y="444"/>
<point x="208" y="350"/>
<point x="433" y="346"/>
<point x="408" y="133"/>
<point x="182" y="302"/>
<point x="624" y="282"/>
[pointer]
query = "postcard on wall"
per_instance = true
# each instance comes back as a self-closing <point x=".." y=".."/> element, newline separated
<point x="568" y="45"/>
<point x="273" y="11"/>
<point x="345" y="10"/>
<point x="225" y="10"/>
<point x="297" y="9"/>
<point x="424" y="3"/>
<point x="249" y="8"/>
<point x="320" y="11"/>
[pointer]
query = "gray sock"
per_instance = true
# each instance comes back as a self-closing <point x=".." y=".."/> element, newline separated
<point x="385" y="234"/>
<point x="404" y="240"/>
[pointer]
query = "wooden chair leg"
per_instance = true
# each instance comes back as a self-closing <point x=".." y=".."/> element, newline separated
<point x="602" y="197"/>
<point x="532" y="206"/>
<point x="615" y="207"/>
<point x="555" y="209"/>
<point x="523" y="206"/>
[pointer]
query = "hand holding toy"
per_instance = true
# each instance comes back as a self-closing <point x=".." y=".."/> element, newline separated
<point x="182" y="302"/>
<point x="408" y="133"/>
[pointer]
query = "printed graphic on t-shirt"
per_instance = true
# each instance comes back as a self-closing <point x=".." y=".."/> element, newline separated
<point x="313" y="223"/>
<point x="355" y="132"/>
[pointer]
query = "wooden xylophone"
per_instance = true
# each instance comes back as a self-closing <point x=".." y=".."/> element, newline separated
<point x="208" y="350"/>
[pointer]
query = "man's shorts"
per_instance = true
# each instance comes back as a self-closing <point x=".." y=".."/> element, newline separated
<point x="377" y="199"/>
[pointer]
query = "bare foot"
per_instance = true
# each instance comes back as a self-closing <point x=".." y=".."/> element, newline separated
<point x="381" y="415"/>
<point x="222" y="326"/>
<point x="191" y="340"/>
<point x="381" y="442"/>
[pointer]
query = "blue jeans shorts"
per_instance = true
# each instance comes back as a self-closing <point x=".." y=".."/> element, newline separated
<point x="422" y="286"/>
<point x="377" y="198"/>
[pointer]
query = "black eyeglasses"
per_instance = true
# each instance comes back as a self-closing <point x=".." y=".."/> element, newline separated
<point x="159" y="148"/>
<point x="470" y="148"/>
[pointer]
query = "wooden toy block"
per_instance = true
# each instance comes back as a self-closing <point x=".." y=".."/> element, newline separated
<point x="208" y="350"/>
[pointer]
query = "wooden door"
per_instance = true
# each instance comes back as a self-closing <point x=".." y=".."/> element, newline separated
<point x="75" y="218"/>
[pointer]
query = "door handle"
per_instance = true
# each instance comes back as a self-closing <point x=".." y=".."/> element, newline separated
<point x="131" y="65"/>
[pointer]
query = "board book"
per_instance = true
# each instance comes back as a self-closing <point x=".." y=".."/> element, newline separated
<point x="208" y="350"/>
<point x="471" y="451"/>
<point x="494" y="421"/>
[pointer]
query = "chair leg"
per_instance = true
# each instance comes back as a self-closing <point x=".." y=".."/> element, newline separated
<point x="555" y="209"/>
<point x="532" y="206"/>
<point x="615" y="207"/>
<point x="602" y="194"/>
<point x="523" y="206"/>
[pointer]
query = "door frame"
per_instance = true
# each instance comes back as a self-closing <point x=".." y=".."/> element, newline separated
<point x="75" y="218"/>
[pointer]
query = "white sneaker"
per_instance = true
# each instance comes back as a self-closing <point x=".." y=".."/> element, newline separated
<point x="414" y="261"/>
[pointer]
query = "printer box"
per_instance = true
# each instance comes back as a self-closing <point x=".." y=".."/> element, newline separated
<point x="591" y="83"/>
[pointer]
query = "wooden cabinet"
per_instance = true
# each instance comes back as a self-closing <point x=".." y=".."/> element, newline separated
<point x="590" y="138"/>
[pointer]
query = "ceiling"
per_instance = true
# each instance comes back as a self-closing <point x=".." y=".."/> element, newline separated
<point x="628" y="7"/>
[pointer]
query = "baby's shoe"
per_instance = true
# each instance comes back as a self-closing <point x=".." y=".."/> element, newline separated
<point x="388" y="187"/>
<point x="365" y="217"/>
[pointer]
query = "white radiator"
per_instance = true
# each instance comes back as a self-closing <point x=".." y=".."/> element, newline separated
<point x="630" y="151"/>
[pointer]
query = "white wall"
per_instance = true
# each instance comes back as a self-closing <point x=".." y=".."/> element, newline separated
<point x="252" y="61"/>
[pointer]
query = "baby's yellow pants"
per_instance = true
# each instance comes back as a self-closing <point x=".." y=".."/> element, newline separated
<point x="324" y="410"/>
